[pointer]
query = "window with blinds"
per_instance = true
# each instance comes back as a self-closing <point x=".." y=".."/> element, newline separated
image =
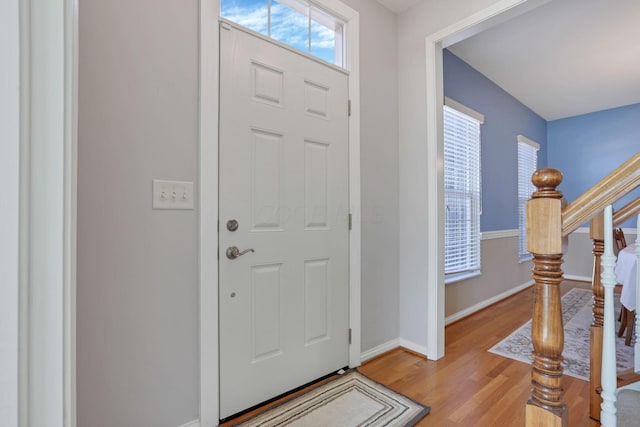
<point x="527" y="165"/>
<point x="462" y="197"/>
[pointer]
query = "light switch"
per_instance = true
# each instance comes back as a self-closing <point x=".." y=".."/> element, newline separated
<point x="172" y="194"/>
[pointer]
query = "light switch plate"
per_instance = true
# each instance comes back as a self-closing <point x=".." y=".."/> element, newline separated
<point x="172" y="194"/>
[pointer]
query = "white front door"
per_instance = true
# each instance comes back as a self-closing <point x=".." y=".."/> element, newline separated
<point x="284" y="183"/>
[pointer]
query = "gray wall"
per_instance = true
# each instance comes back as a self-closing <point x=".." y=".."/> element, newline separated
<point x="578" y="258"/>
<point x="137" y="289"/>
<point x="137" y="298"/>
<point x="505" y="119"/>
<point x="420" y="21"/>
<point x="501" y="273"/>
<point x="379" y="172"/>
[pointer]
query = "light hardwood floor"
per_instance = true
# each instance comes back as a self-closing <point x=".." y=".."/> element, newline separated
<point x="470" y="386"/>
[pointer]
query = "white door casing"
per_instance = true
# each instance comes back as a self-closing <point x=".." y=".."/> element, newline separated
<point x="284" y="307"/>
<point x="468" y="26"/>
<point x="208" y="195"/>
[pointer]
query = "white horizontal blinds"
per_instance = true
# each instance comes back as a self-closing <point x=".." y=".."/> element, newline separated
<point x="461" y="192"/>
<point x="527" y="165"/>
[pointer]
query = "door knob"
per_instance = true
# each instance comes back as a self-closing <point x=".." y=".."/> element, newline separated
<point x="232" y="225"/>
<point x="233" y="252"/>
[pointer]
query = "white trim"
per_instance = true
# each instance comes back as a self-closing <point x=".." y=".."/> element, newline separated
<point x="464" y="109"/>
<point x="524" y="258"/>
<point x="633" y="386"/>
<point x="208" y="178"/>
<point x="486" y="303"/>
<point x="498" y="234"/>
<point x="208" y="219"/>
<point x="585" y="230"/>
<point x="71" y="203"/>
<point x="48" y="75"/>
<point x="395" y="343"/>
<point x="636" y="347"/>
<point x="416" y="348"/>
<point x="459" y="277"/>
<point x="627" y="231"/>
<point x="531" y="142"/>
<point x="10" y="212"/>
<point x="226" y="23"/>
<point x="380" y="349"/>
<point x="351" y="19"/>
<point x="434" y="43"/>
<point x="577" y="278"/>
<point x="435" y="198"/>
<point x="194" y="423"/>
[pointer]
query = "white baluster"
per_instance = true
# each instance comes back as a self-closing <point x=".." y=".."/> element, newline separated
<point x="609" y="381"/>
<point x="636" y="351"/>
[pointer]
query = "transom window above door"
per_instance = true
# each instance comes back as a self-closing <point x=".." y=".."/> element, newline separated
<point x="297" y="23"/>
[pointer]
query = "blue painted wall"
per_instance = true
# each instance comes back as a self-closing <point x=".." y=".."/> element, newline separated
<point x="588" y="147"/>
<point x="505" y="118"/>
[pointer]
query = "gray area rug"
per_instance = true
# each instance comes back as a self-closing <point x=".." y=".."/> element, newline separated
<point x="576" y="315"/>
<point x="350" y="400"/>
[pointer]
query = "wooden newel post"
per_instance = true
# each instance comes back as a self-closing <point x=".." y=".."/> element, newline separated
<point x="596" y="232"/>
<point x="544" y="240"/>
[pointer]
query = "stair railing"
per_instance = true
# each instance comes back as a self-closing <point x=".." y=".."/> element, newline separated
<point x="549" y="222"/>
<point x="608" y="278"/>
<point x="596" y="233"/>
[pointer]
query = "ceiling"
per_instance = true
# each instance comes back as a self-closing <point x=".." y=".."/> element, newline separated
<point x="398" y="6"/>
<point x="565" y="58"/>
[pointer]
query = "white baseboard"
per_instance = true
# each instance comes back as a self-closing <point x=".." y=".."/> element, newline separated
<point x="486" y="303"/>
<point x="194" y="423"/>
<point x="633" y="386"/>
<point x="390" y="345"/>
<point x="585" y="230"/>
<point x="578" y="278"/>
<point x="379" y="349"/>
<point x="416" y="348"/>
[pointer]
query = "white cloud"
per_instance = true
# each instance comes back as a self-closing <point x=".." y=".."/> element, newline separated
<point x="322" y="37"/>
<point x="255" y="19"/>
<point x="287" y="25"/>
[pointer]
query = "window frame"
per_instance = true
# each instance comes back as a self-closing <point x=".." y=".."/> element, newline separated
<point x="469" y="264"/>
<point x="314" y="13"/>
<point x="525" y="189"/>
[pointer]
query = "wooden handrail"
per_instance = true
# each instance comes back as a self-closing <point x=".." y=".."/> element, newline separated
<point x="608" y="190"/>
<point x="627" y="212"/>
<point x="549" y="222"/>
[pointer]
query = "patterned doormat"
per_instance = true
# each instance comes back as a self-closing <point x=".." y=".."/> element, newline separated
<point x="350" y="400"/>
<point x="576" y="316"/>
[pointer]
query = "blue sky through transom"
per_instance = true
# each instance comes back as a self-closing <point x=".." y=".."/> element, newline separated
<point x="287" y="25"/>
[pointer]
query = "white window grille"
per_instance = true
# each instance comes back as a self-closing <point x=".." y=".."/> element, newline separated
<point x="527" y="165"/>
<point x="462" y="196"/>
<point x="296" y="23"/>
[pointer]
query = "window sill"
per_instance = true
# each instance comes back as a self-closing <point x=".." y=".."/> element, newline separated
<point x="461" y="276"/>
<point x="524" y="258"/>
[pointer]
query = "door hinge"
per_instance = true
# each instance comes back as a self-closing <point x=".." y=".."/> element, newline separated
<point x="350" y="221"/>
<point x="349" y="108"/>
<point x="349" y="335"/>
